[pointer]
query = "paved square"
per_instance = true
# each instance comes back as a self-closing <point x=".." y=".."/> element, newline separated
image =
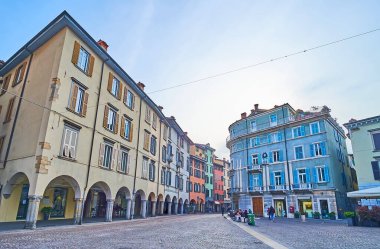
<point x="186" y="231"/>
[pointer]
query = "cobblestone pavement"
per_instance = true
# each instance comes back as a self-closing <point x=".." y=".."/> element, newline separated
<point x="293" y="233"/>
<point x="184" y="231"/>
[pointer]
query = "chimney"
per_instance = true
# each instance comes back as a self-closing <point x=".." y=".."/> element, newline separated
<point x="160" y="107"/>
<point x="252" y="111"/>
<point x="256" y="107"/>
<point x="103" y="44"/>
<point x="243" y="115"/>
<point x="141" y="86"/>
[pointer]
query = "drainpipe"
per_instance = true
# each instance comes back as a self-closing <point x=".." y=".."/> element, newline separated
<point x="18" y="109"/>
<point x="137" y="155"/>
<point x="247" y="144"/>
<point x="286" y="147"/>
<point x="159" y="163"/>
<point x="92" y="143"/>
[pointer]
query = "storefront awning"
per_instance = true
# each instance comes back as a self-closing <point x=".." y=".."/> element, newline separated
<point x="217" y="202"/>
<point x="370" y="192"/>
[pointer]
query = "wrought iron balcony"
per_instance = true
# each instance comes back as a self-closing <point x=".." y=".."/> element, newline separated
<point x="277" y="187"/>
<point x="255" y="189"/>
<point x="254" y="168"/>
<point x="302" y="186"/>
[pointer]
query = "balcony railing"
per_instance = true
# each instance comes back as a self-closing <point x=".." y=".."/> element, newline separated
<point x="255" y="189"/>
<point x="290" y="119"/>
<point x="277" y="187"/>
<point x="302" y="186"/>
<point x="254" y="167"/>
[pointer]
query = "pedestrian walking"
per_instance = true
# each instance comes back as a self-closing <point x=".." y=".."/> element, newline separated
<point x="271" y="213"/>
<point x="222" y="211"/>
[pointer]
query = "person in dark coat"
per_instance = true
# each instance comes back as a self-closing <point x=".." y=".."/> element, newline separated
<point x="271" y="213"/>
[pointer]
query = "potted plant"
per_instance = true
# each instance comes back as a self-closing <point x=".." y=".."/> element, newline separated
<point x="317" y="215"/>
<point x="303" y="216"/>
<point x="349" y="217"/>
<point x="46" y="212"/>
<point x="332" y="216"/>
<point x="297" y="215"/>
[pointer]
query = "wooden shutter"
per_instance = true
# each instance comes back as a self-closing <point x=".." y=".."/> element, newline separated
<point x="101" y="154"/>
<point x="23" y="71"/>
<point x="122" y="130"/>
<point x="129" y="164"/>
<point x="84" y="105"/>
<point x="376" y="170"/>
<point x="73" y="144"/>
<point x="9" y="111"/>
<point x="116" y="123"/>
<point x="74" y="58"/>
<point x="120" y="90"/>
<point x="91" y="66"/>
<point x="74" y="95"/>
<point x="115" y="153"/>
<point x="5" y="84"/>
<point x="119" y="159"/>
<point x="110" y="79"/>
<point x="131" y="132"/>
<point x="125" y="95"/>
<point x="105" y="116"/>
<point x="1" y="143"/>
<point x="133" y="101"/>
<point x="66" y="143"/>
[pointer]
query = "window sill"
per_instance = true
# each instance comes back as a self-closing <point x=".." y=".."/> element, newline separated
<point x="16" y="83"/>
<point x="80" y="69"/>
<point x="113" y="132"/>
<point x="122" y="172"/>
<point x="126" y="139"/>
<point x="74" y="112"/>
<point x="105" y="168"/>
<point x="67" y="158"/>
<point x="115" y="96"/>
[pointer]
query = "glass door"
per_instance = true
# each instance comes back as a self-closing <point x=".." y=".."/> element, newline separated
<point x="24" y="201"/>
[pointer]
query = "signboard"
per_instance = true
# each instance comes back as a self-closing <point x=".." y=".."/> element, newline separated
<point x="370" y="202"/>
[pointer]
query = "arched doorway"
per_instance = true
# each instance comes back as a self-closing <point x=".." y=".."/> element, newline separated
<point x="96" y="201"/>
<point x="151" y="205"/>
<point x="167" y="205"/>
<point x="180" y="206"/>
<point x="174" y="206"/>
<point x="62" y="194"/>
<point x="160" y="205"/>
<point x="186" y="206"/>
<point x="193" y="206"/>
<point x="16" y="197"/>
<point x="120" y="205"/>
<point x="140" y="205"/>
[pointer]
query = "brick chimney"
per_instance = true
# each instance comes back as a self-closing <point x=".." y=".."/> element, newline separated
<point x="103" y="44"/>
<point x="243" y="115"/>
<point x="160" y="107"/>
<point x="141" y="86"/>
<point x="256" y="107"/>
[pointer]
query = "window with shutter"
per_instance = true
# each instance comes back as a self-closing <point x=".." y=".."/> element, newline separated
<point x="154" y="122"/>
<point x="2" y="139"/>
<point x="147" y="114"/>
<point x="69" y="142"/>
<point x="78" y="99"/>
<point x="110" y="121"/>
<point x="376" y="140"/>
<point x="4" y="86"/>
<point x="146" y="140"/>
<point x="376" y="169"/>
<point x="145" y="168"/>
<point x="9" y="110"/>
<point x="108" y="157"/>
<point x="19" y="74"/>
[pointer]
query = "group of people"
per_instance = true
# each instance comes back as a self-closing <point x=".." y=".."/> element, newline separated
<point x="240" y="215"/>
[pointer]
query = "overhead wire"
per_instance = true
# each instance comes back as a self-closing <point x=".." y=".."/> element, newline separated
<point x="218" y="74"/>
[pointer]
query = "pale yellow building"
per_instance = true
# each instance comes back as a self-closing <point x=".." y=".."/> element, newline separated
<point x="77" y="135"/>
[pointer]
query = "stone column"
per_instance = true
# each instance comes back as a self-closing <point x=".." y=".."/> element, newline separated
<point x="32" y="213"/>
<point x="78" y="210"/>
<point x="181" y="209"/>
<point x="169" y="208"/>
<point x="153" y="208"/>
<point x="175" y="207"/>
<point x="132" y="209"/>
<point x="143" y="209"/>
<point x="109" y="210"/>
<point x="202" y="208"/>
<point x="162" y="203"/>
<point x="128" y="211"/>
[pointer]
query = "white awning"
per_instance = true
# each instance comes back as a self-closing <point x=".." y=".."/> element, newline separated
<point x="370" y="192"/>
<point x="216" y="202"/>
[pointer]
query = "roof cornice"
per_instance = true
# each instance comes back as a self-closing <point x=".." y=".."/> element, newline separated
<point x="362" y="122"/>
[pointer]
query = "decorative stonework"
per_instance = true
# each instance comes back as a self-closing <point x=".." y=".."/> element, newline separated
<point x="41" y="164"/>
<point x="45" y="145"/>
<point x="54" y="89"/>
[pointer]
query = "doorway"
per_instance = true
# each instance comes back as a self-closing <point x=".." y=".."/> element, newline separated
<point x="306" y="206"/>
<point x="23" y="204"/>
<point x="257" y="206"/>
<point x="280" y="208"/>
<point x="323" y="204"/>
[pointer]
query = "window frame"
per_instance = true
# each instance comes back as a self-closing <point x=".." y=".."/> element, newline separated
<point x="117" y="88"/>
<point x="271" y="124"/>
<point x="295" y="152"/>
<point x="276" y="152"/>
<point x="301" y="176"/>
<point x="82" y="50"/>
<point x="255" y="157"/>
<point x="321" y="173"/>
<point x="124" y="168"/>
<point x="311" y="128"/>
<point x="373" y="139"/>
<point x="129" y="99"/>
<point x="109" y="145"/>
<point x="113" y="124"/>
<point x="63" y="144"/>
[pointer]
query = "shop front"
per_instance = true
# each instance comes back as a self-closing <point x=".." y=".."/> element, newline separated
<point x="306" y="205"/>
<point x="280" y="207"/>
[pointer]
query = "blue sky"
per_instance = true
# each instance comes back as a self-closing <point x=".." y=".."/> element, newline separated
<point x="164" y="43"/>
